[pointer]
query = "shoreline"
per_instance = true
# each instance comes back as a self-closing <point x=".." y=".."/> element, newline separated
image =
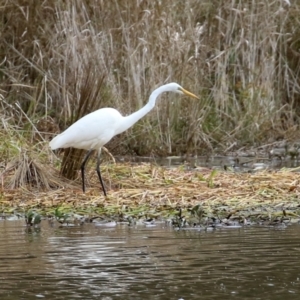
<point x="150" y="191"/>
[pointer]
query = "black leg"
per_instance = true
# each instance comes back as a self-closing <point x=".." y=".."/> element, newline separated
<point x="88" y="154"/>
<point x="98" y="172"/>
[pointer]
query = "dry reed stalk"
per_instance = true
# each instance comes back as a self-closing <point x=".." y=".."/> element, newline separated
<point x="241" y="57"/>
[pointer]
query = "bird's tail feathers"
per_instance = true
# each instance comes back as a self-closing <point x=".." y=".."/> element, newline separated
<point x="56" y="143"/>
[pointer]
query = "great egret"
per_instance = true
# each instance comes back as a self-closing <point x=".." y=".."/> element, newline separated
<point x="94" y="130"/>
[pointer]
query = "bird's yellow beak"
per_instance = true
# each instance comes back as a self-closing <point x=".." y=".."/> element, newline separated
<point x="189" y="93"/>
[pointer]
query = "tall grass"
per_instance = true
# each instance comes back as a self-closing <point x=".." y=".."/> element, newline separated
<point x="241" y="57"/>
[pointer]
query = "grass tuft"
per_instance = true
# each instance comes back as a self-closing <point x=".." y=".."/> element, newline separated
<point x="26" y="172"/>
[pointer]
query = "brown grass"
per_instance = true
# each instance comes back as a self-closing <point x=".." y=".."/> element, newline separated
<point x="240" y="57"/>
<point x="158" y="189"/>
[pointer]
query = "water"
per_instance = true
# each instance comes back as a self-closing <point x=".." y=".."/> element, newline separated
<point x="235" y="163"/>
<point x="158" y="262"/>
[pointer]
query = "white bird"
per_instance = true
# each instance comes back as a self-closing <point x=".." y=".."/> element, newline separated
<point x="94" y="130"/>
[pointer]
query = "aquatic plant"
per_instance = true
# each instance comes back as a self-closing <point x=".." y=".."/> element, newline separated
<point x="32" y="218"/>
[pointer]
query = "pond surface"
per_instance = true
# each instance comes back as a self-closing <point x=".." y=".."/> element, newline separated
<point x="122" y="262"/>
<point x="235" y="163"/>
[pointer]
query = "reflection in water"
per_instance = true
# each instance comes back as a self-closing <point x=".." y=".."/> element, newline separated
<point x="234" y="163"/>
<point x="91" y="262"/>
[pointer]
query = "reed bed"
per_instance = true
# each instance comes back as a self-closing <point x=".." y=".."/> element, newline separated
<point x="240" y="57"/>
<point x="60" y="60"/>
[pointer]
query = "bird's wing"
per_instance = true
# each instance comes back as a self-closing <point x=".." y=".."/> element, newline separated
<point x="90" y="132"/>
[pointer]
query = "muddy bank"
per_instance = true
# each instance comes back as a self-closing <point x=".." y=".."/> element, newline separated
<point x="198" y="197"/>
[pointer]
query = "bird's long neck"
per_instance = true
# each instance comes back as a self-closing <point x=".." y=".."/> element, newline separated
<point x="130" y="120"/>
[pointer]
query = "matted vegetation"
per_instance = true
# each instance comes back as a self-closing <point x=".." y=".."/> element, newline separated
<point x="150" y="192"/>
<point x="60" y="60"/>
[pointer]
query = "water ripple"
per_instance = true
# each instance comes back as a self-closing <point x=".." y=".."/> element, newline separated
<point x="92" y="262"/>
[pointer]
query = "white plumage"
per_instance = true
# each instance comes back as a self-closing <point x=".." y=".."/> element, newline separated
<point x="91" y="131"/>
<point x="97" y="128"/>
